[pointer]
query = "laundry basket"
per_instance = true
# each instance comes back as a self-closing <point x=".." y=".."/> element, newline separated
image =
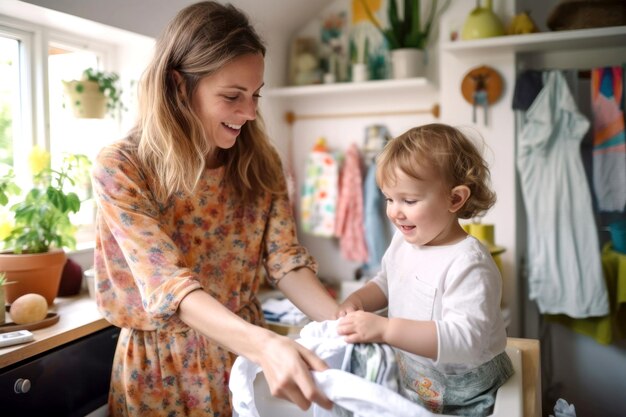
<point x="509" y="398"/>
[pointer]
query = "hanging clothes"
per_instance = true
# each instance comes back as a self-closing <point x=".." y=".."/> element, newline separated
<point x="610" y="328"/>
<point x="564" y="267"/>
<point x="378" y="232"/>
<point x="609" y="140"/>
<point x="318" y="198"/>
<point x="349" y="219"/>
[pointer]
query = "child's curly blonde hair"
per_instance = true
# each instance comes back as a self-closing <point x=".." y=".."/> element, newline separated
<point x="450" y="153"/>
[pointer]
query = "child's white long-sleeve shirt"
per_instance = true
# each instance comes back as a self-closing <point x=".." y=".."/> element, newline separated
<point x="459" y="287"/>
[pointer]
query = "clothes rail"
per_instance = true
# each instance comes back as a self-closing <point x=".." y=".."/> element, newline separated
<point x="291" y="117"/>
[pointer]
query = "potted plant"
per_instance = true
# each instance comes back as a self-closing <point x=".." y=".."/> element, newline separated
<point x="95" y="94"/>
<point x="40" y="227"/>
<point x="406" y="36"/>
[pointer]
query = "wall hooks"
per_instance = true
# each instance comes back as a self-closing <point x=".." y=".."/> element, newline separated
<point x="481" y="87"/>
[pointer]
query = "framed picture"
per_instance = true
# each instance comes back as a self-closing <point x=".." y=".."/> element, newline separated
<point x="304" y="62"/>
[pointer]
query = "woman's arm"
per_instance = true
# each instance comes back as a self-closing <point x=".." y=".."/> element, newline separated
<point x="285" y="363"/>
<point x="305" y="290"/>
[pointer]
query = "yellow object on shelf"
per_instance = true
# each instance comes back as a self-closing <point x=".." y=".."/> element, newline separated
<point x="486" y="234"/>
<point x="482" y="22"/>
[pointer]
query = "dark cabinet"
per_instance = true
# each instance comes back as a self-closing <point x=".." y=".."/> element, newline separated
<point x="71" y="380"/>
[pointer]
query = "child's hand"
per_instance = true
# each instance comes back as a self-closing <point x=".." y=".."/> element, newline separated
<point x="362" y="327"/>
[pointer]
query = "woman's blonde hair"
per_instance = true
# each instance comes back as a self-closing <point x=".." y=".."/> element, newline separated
<point x="450" y="153"/>
<point x="199" y="41"/>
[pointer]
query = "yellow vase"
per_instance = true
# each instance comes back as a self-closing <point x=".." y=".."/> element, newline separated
<point x="482" y="22"/>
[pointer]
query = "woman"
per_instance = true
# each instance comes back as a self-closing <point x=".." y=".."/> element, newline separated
<point x="193" y="215"/>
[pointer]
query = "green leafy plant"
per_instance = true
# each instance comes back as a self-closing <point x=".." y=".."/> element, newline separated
<point x="41" y="219"/>
<point x="410" y="31"/>
<point x="108" y="84"/>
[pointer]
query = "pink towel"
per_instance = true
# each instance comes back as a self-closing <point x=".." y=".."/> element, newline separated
<point x="349" y="220"/>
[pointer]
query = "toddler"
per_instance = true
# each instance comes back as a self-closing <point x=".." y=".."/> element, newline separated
<point x="440" y="285"/>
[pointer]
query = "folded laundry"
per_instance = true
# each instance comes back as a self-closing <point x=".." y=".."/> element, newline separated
<point x="282" y="311"/>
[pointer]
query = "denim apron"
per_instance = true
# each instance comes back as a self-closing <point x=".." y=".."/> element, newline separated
<point x="472" y="393"/>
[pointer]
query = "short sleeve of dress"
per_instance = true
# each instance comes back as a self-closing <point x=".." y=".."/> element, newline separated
<point x="283" y="251"/>
<point x="140" y="272"/>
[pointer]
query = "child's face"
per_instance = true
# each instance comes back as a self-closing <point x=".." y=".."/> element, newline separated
<point x="421" y="209"/>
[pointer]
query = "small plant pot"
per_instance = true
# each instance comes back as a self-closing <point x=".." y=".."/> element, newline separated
<point x="86" y="99"/>
<point x="3" y="303"/>
<point x="407" y="63"/>
<point x="359" y="72"/>
<point x="38" y="273"/>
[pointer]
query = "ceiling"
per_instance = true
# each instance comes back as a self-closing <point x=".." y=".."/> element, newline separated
<point x="149" y="17"/>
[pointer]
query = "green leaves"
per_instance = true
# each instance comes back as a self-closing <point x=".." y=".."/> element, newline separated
<point x="406" y="32"/>
<point x="42" y="218"/>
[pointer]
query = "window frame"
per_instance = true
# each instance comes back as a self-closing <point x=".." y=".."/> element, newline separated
<point x="34" y="125"/>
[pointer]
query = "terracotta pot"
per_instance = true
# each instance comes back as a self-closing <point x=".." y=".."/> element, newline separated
<point x="38" y="273"/>
<point x="2" y="305"/>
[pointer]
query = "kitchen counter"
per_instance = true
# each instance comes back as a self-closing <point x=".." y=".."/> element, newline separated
<point x="78" y="317"/>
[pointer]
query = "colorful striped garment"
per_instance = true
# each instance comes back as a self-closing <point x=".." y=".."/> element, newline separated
<point x="609" y="141"/>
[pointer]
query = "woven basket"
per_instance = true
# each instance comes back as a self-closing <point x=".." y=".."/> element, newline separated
<point x="578" y="14"/>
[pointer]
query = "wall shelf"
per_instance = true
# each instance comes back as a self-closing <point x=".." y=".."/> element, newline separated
<point x="347" y="87"/>
<point x="542" y="42"/>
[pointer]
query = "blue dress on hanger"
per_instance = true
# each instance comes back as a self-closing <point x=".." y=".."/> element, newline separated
<point x="564" y="267"/>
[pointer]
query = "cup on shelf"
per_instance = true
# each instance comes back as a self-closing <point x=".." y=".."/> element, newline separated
<point x="359" y="72"/>
<point x="89" y="281"/>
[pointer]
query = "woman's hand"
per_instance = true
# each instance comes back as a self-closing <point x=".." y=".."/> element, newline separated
<point x="287" y="367"/>
<point x="362" y="327"/>
<point x="286" y="364"/>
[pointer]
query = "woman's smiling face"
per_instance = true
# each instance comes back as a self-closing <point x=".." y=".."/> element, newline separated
<point x="225" y="100"/>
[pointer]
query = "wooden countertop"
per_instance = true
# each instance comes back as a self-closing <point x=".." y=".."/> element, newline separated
<point x="78" y="317"/>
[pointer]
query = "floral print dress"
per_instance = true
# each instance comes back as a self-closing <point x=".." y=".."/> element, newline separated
<point x="149" y="256"/>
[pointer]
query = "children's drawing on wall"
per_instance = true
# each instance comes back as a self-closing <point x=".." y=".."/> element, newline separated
<point x="367" y="45"/>
<point x="334" y="46"/>
<point x="318" y="197"/>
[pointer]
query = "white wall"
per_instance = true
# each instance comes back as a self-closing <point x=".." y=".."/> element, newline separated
<point x="498" y="134"/>
<point x="298" y="139"/>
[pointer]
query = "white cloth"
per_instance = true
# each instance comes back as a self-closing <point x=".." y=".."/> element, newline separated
<point x="459" y="287"/>
<point x="363" y="398"/>
<point x="564" y="266"/>
<point x="282" y="311"/>
<point x="563" y="409"/>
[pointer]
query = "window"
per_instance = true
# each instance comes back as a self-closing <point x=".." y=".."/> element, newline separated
<point x="68" y="134"/>
<point x="15" y="100"/>
<point x="33" y="109"/>
<point x="9" y="97"/>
